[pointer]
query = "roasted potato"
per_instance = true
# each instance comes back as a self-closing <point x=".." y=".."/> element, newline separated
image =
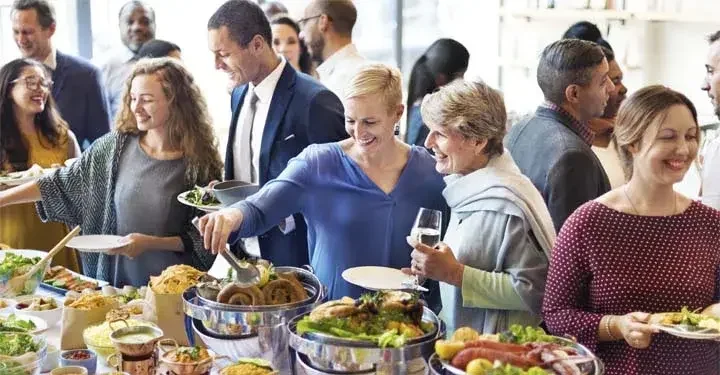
<point x="447" y="349"/>
<point x="465" y="334"/>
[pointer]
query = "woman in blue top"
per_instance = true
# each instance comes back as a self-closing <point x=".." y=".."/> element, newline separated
<point x="359" y="196"/>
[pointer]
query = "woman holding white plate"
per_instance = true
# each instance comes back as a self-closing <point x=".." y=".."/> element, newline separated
<point x="126" y="183"/>
<point x="493" y="262"/>
<point x="32" y="132"/>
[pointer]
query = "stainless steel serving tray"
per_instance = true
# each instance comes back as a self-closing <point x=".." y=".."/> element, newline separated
<point x="332" y="353"/>
<point x="234" y="321"/>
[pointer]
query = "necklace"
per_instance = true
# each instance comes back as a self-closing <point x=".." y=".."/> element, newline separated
<point x="635" y="210"/>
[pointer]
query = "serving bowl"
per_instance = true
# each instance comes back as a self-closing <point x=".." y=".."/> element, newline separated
<point x="52" y="359"/>
<point x="40" y="323"/>
<point x="28" y="363"/>
<point x="31" y="284"/>
<point x="70" y="370"/>
<point x="90" y="363"/>
<point x="51" y="317"/>
<point x="233" y="191"/>
<point x="103" y="346"/>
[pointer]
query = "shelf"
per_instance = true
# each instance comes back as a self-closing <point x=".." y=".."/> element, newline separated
<point x="593" y="14"/>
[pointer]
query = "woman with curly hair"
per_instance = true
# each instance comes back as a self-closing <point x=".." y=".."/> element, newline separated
<point x="126" y="183"/>
<point x="32" y="132"/>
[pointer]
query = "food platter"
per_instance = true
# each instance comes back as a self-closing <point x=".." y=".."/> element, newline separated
<point x="62" y="291"/>
<point x="337" y="354"/>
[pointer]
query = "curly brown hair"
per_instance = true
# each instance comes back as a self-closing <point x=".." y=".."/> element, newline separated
<point x="189" y="126"/>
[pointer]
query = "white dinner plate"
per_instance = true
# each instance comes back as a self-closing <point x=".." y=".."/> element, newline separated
<point x="98" y="243"/>
<point x="378" y="278"/>
<point x="679" y="331"/>
<point x="40" y="323"/>
<point x="205" y="208"/>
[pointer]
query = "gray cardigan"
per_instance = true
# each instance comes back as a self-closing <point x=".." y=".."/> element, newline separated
<point x="83" y="194"/>
<point x="558" y="162"/>
<point x="501" y="231"/>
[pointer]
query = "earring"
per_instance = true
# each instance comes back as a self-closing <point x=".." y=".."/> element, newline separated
<point x="397" y="129"/>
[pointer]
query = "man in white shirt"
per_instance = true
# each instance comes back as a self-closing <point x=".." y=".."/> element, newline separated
<point x="711" y="154"/>
<point x="277" y="112"/>
<point x="327" y="29"/>
<point x="137" y="25"/>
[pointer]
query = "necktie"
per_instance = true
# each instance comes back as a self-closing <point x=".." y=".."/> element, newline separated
<point x="247" y="170"/>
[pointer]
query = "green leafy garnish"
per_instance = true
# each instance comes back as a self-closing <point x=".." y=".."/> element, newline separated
<point x="522" y="335"/>
<point x="16" y="344"/>
<point x="201" y="197"/>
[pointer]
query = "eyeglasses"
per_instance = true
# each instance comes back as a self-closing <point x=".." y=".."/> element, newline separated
<point x="304" y="20"/>
<point x="34" y="83"/>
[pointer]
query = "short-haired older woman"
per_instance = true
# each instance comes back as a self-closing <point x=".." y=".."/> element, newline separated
<point x="640" y="249"/>
<point x="359" y="196"/>
<point x="127" y="182"/>
<point x="493" y="260"/>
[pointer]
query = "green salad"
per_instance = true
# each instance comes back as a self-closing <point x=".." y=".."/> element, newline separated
<point x="201" y="197"/>
<point x="14" y="324"/>
<point x="16" y="344"/>
<point x="14" y="265"/>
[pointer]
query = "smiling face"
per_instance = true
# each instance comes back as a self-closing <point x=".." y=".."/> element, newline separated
<point x="148" y="102"/>
<point x="454" y="153"/>
<point x="137" y="26"/>
<point x="29" y="96"/>
<point x="241" y="64"/>
<point x="286" y="42"/>
<point x="31" y="38"/>
<point x="667" y="148"/>
<point x="711" y="83"/>
<point x="370" y="123"/>
<point x="618" y="94"/>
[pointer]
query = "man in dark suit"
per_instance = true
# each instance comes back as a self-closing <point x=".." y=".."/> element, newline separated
<point x="277" y="112"/>
<point x="553" y="147"/>
<point x="77" y="85"/>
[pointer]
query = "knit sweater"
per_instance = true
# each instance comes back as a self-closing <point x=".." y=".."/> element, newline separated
<point x="83" y="194"/>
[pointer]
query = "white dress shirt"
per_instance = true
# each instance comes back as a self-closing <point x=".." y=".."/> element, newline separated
<point x="711" y="174"/>
<point x="116" y="67"/>
<point x="264" y="91"/>
<point x="337" y="71"/>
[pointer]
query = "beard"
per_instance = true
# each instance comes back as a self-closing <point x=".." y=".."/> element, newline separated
<point x="316" y="49"/>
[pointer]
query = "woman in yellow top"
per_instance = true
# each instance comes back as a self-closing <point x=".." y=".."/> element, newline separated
<point x="32" y="132"/>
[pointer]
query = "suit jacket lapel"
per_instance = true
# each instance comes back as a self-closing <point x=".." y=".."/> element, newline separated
<point x="278" y="106"/>
<point x="236" y="100"/>
<point x="58" y="75"/>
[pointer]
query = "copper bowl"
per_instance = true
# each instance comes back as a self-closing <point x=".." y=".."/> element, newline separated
<point x="184" y="368"/>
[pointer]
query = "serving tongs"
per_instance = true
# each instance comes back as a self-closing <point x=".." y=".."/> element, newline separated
<point x="246" y="274"/>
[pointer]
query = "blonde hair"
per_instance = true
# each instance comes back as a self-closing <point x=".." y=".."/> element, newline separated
<point x="377" y="80"/>
<point x="189" y="126"/>
<point x="645" y="108"/>
<point x="473" y="109"/>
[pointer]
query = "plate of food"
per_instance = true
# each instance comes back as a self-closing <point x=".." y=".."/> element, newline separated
<point x="21" y="177"/>
<point x="687" y="324"/>
<point x="384" y="319"/>
<point x="61" y="280"/>
<point x="22" y="323"/>
<point x="520" y="350"/>
<point x="200" y="198"/>
<point x="21" y="353"/>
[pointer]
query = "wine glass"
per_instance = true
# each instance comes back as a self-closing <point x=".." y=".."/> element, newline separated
<point x="427" y="229"/>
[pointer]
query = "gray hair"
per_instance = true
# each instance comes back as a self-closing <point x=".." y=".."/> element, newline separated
<point x="473" y="109"/>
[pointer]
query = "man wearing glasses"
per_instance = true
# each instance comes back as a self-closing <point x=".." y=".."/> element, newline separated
<point x="327" y="29"/>
<point x="77" y="87"/>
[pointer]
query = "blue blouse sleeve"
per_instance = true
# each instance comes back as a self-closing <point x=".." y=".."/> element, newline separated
<point x="278" y="199"/>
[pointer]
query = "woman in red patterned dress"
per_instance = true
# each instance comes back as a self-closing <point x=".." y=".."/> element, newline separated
<point x="640" y="249"/>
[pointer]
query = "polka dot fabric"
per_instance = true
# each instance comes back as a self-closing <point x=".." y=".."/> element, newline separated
<point x="609" y="262"/>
